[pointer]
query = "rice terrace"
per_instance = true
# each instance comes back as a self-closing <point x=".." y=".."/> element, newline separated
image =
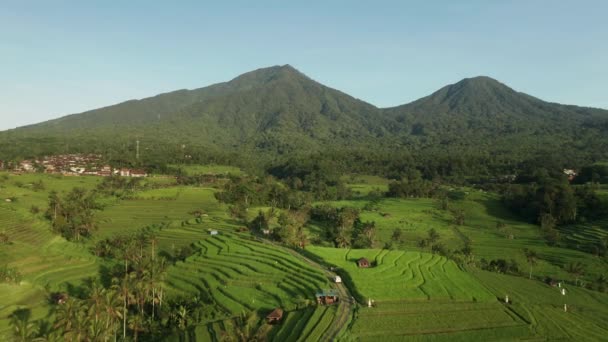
<point x="430" y="171"/>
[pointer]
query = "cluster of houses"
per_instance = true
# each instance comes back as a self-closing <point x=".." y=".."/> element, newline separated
<point x="71" y="165"/>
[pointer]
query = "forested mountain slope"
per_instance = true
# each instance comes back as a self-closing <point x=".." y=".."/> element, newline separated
<point x="279" y="111"/>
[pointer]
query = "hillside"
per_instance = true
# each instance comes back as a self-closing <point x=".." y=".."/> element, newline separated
<point x="278" y="111"/>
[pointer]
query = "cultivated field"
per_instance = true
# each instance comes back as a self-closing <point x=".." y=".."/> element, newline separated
<point x="419" y="295"/>
<point x="401" y="275"/>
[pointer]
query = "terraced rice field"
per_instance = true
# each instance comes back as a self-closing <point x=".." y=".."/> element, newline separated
<point x="241" y="275"/>
<point x="169" y="206"/>
<point x="415" y="217"/>
<point x="543" y="307"/>
<point x="401" y="275"/>
<point x="438" y="321"/>
<point x="43" y="259"/>
<point x="419" y="295"/>
<point x="585" y="236"/>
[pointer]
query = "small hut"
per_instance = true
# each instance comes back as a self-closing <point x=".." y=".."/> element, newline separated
<point x="363" y="263"/>
<point x="60" y="297"/>
<point x="275" y="316"/>
<point x="337" y="279"/>
<point x="213" y="232"/>
<point x="327" y="297"/>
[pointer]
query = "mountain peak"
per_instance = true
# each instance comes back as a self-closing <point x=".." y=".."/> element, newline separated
<point x="268" y="74"/>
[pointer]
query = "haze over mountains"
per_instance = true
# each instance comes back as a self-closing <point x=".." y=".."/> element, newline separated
<point x="280" y="110"/>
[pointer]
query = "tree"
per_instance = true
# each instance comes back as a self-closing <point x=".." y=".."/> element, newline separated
<point x="531" y="258"/>
<point x="433" y="236"/>
<point x="238" y="211"/>
<point x="23" y="329"/>
<point x="459" y="216"/>
<point x="397" y="235"/>
<point x="575" y="269"/>
<point x="123" y="288"/>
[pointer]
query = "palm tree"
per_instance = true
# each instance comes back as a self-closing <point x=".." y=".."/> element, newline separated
<point x="65" y="315"/>
<point x="23" y="329"/>
<point x="157" y="274"/>
<point x="531" y="257"/>
<point x="576" y="269"/>
<point x="112" y="310"/>
<point x="96" y="310"/>
<point x="182" y="319"/>
<point x="123" y="288"/>
<point x="136" y="324"/>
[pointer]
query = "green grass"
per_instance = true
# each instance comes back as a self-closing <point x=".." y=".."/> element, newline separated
<point x="418" y="294"/>
<point x="401" y="275"/>
<point x="44" y="259"/>
<point x="542" y="306"/>
<point x="210" y="169"/>
<point x="241" y="275"/>
<point x="415" y="217"/>
<point x="362" y="185"/>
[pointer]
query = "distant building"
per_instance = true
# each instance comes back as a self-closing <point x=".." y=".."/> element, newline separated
<point x="363" y="263"/>
<point x="570" y="173"/>
<point x="214" y="232"/>
<point x="337" y="279"/>
<point x="27" y="166"/>
<point x="138" y="173"/>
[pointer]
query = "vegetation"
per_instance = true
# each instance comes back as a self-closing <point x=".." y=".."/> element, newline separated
<point x="267" y="187"/>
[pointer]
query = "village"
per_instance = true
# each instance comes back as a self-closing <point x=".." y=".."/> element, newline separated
<point x="70" y="165"/>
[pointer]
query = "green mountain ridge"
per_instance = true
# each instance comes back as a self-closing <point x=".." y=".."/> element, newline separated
<point x="279" y="110"/>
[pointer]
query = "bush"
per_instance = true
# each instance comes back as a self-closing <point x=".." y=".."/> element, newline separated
<point x="9" y="274"/>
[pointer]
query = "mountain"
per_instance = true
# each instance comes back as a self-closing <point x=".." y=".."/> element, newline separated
<point x="269" y="108"/>
<point x="280" y="111"/>
<point x="482" y="103"/>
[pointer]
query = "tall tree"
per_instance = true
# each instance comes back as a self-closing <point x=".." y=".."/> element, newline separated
<point x="531" y="258"/>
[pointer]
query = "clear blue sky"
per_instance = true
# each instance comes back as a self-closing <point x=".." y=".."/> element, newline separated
<point x="61" y="57"/>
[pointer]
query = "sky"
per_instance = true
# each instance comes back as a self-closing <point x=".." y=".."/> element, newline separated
<point x="63" y="57"/>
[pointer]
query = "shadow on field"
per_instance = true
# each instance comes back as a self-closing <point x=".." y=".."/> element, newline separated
<point x="496" y="209"/>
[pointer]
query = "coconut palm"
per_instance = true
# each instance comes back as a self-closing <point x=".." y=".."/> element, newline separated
<point x="123" y="288"/>
<point x="136" y="324"/>
<point x="64" y="317"/>
<point x="112" y="307"/>
<point x="23" y="329"/>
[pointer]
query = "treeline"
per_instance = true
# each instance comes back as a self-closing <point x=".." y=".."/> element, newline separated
<point x="546" y="197"/>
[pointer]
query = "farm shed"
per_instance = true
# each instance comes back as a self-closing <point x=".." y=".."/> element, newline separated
<point x="337" y="279"/>
<point x="275" y="316"/>
<point x="363" y="263"/>
<point x="213" y="232"/>
<point x="327" y="297"/>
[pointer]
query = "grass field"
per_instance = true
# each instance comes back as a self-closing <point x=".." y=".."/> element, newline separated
<point x="44" y="259"/>
<point x="401" y="275"/>
<point x="211" y="169"/>
<point x="415" y="217"/>
<point x="419" y="295"/>
<point x="543" y="307"/>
